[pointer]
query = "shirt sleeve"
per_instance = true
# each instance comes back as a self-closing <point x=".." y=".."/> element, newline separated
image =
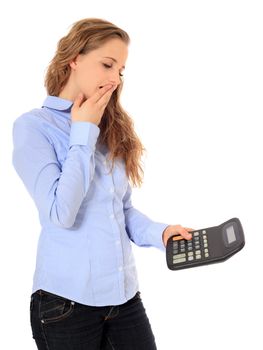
<point x="57" y="192"/>
<point x="141" y="229"/>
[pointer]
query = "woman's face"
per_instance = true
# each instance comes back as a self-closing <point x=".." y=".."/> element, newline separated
<point x="95" y="69"/>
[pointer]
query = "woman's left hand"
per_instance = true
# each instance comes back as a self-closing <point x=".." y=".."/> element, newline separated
<point x="176" y="229"/>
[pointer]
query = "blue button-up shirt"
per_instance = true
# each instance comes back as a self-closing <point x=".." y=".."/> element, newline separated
<point x="87" y="218"/>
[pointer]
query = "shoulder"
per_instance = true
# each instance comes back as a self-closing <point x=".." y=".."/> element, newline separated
<point x="30" y="123"/>
<point x="31" y="117"/>
<point x="35" y="119"/>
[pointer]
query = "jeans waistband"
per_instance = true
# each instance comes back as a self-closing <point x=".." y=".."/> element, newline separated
<point x="43" y="292"/>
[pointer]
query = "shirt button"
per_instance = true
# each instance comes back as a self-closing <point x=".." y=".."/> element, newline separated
<point x="111" y="189"/>
<point x="112" y="216"/>
<point x="120" y="268"/>
<point x="117" y="242"/>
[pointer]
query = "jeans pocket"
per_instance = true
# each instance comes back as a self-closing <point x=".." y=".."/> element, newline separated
<point x="54" y="308"/>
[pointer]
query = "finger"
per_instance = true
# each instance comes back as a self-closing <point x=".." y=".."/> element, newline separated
<point x="104" y="100"/>
<point x="107" y="94"/>
<point x="189" y="229"/>
<point x="100" y="93"/>
<point x="184" y="233"/>
<point x="77" y="101"/>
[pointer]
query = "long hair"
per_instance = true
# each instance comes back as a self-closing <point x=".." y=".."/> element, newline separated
<point x="117" y="129"/>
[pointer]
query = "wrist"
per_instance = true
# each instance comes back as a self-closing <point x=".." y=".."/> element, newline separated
<point x="165" y="231"/>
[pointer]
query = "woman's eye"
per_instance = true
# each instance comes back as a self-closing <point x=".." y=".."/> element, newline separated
<point x="107" y="66"/>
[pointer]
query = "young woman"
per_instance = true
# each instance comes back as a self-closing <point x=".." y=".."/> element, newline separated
<point x="78" y="156"/>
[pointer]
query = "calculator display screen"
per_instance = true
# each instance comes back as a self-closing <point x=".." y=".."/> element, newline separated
<point x="231" y="237"/>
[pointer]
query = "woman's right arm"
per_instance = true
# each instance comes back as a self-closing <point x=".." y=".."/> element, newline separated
<point x="57" y="193"/>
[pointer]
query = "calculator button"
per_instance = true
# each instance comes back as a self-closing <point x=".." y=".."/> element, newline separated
<point x="205" y="245"/>
<point x="190" y="248"/>
<point x="206" y="250"/>
<point x="196" y="234"/>
<point x="204" y="232"/>
<point x="198" y="256"/>
<point x="190" y="258"/>
<point x="179" y="256"/>
<point x="179" y="261"/>
<point x="175" y="251"/>
<point x="206" y="255"/>
<point x="197" y="246"/>
<point x="190" y="254"/>
<point x="198" y="252"/>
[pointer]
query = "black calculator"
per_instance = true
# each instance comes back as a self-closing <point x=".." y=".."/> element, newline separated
<point x="208" y="245"/>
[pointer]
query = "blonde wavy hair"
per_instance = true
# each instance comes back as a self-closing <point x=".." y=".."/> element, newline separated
<point x="117" y="129"/>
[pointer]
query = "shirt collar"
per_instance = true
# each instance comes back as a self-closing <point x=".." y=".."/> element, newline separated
<point x="58" y="103"/>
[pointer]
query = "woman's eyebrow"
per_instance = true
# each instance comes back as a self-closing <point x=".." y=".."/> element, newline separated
<point x="114" y="60"/>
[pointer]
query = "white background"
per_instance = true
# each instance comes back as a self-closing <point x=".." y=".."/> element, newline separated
<point x="193" y="85"/>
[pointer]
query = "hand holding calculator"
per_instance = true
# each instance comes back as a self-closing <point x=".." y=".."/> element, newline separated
<point x="208" y="245"/>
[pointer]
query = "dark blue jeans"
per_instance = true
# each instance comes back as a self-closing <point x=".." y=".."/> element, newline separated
<point x="61" y="324"/>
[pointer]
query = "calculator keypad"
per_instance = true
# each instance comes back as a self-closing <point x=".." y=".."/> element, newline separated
<point x="190" y="250"/>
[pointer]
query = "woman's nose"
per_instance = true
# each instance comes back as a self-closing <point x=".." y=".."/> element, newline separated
<point x="116" y="79"/>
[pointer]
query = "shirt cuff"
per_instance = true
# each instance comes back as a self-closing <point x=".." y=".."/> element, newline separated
<point x="156" y="232"/>
<point x="83" y="133"/>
